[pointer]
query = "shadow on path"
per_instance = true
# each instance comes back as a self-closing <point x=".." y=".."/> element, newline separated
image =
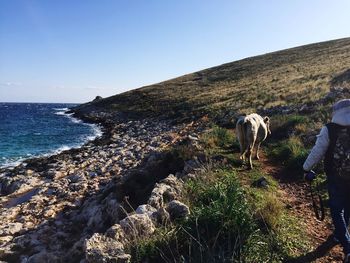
<point x="321" y="251"/>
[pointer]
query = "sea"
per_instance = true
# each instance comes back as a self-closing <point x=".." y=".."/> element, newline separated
<point x="30" y="130"/>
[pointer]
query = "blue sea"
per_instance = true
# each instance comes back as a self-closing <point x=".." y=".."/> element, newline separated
<point x="35" y="129"/>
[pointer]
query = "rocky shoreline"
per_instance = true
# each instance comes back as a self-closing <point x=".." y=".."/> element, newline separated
<point x="73" y="206"/>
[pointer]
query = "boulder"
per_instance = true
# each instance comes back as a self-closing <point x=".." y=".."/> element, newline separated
<point x="8" y="185"/>
<point x="11" y="229"/>
<point x="145" y="209"/>
<point x="167" y="190"/>
<point x="177" y="210"/>
<point x="161" y="216"/>
<point x="97" y="98"/>
<point x="102" y="249"/>
<point x="116" y="232"/>
<point x="137" y="225"/>
<point x="262" y="182"/>
<point x="113" y="209"/>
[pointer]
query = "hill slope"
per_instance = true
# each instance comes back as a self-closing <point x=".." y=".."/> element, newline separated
<point x="292" y="76"/>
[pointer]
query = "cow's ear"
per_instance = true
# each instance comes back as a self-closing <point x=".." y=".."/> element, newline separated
<point x="266" y="119"/>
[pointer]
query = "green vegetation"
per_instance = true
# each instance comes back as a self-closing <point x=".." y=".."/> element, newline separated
<point x="287" y="145"/>
<point x="291" y="153"/>
<point x="230" y="221"/>
<point x="219" y="137"/>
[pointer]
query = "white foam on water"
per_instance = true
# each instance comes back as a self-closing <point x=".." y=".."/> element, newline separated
<point x="61" y="113"/>
<point x="11" y="163"/>
<point x="97" y="132"/>
<point x="96" y="129"/>
<point x="61" y="109"/>
<point x="74" y="120"/>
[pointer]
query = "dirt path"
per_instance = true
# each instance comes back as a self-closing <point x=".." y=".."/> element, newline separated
<point x="296" y="196"/>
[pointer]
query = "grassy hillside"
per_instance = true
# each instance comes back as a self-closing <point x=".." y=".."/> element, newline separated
<point x="291" y="76"/>
<point x="233" y="218"/>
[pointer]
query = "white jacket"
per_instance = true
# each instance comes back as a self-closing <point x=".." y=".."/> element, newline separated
<point x="342" y="117"/>
<point x="318" y="151"/>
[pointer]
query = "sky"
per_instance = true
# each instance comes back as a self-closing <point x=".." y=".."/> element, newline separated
<point x="73" y="50"/>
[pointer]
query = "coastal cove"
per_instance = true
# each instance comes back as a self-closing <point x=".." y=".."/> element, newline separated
<point x="165" y="182"/>
<point x="54" y="203"/>
<point x="29" y="130"/>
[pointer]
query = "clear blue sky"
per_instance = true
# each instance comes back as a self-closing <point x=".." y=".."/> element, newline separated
<point x="73" y="50"/>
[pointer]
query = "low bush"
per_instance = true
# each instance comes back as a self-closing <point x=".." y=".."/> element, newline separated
<point x="219" y="137"/>
<point x="291" y="153"/>
<point x="282" y="126"/>
<point x="270" y="212"/>
<point x="221" y="220"/>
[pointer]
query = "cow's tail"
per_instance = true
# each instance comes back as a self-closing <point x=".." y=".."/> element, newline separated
<point x="241" y="131"/>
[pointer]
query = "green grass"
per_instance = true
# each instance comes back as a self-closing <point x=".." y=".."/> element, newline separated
<point x="218" y="137"/>
<point x="228" y="223"/>
<point x="291" y="153"/>
<point x="230" y="220"/>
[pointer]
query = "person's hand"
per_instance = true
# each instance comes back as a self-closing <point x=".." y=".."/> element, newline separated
<point x="309" y="176"/>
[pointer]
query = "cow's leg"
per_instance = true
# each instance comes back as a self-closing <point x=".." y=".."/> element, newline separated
<point x="250" y="150"/>
<point x="257" y="151"/>
<point x="243" y="151"/>
<point x="241" y="139"/>
<point x="241" y="148"/>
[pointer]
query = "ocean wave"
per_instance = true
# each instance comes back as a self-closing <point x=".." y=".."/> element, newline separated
<point x="74" y="120"/>
<point x="97" y="132"/>
<point x="63" y="113"/>
<point x="9" y="163"/>
<point x="61" y="109"/>
<point x="13" y="162"/>
<point x="68" y="115"/>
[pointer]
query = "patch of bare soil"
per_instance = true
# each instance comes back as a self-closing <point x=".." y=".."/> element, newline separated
<point x="297" y="197"/>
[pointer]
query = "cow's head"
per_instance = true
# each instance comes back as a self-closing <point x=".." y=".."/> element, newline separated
<point x="267" y="122"/>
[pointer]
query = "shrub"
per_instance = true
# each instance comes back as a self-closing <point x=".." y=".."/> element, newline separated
<point x="291" y="153"/>
<point x="270" y="213"/>
<point x="185" y="151"/>
<point x="219" y="137"/>
<point x="224" y="226"/>
<point x="221" y="220"/>
<point x="282" y="126"/>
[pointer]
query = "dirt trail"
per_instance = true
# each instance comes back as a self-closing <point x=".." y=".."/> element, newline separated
<point x="296" y="196"/>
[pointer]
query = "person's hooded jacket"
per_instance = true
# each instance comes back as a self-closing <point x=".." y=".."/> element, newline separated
<point x="341" y="116"/>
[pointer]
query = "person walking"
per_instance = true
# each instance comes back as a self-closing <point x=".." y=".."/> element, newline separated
<point x="333" y="145"/>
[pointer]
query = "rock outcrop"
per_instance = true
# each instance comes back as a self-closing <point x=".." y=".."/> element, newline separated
<point x="77" y="205"/>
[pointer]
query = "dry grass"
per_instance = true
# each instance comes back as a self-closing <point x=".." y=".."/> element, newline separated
<point x="296" y="75"/>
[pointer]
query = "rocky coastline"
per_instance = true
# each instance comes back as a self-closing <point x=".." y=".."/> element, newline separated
<point x="86" y="204"/>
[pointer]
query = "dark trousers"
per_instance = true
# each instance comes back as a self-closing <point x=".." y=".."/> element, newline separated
<point x="339" y="204"/>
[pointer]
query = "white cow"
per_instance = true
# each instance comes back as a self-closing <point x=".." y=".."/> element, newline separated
<point x="251" y="130"/>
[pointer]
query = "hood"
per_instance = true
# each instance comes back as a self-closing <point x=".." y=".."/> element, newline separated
<point x="341" y="112"/>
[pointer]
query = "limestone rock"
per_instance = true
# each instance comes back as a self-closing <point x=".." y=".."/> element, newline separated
<point x="137" y="225"/>
<point x="145" y="209"/>
<point x="161" y="216"/>
<point x="177" y="210"/>
<point x="116" y="232"/>
<point x="10" y="229"/>
<point x="102" y="249"/>
<point x="165" y="191"/>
